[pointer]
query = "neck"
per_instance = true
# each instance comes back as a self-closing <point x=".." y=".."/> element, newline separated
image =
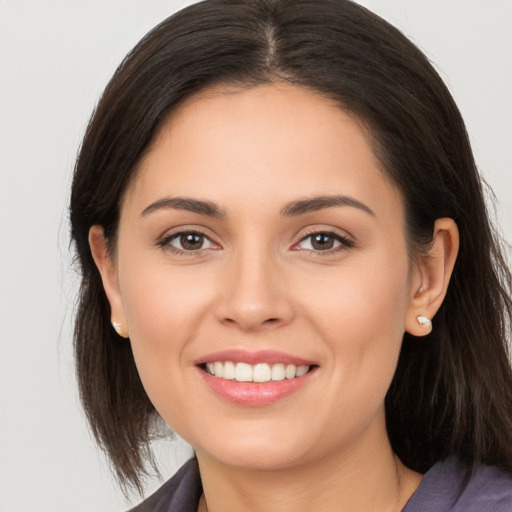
<point x="372" y="481"/>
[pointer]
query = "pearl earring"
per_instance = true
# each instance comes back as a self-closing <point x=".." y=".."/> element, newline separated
<point x="424" y="322"/>
<point x="117" y="327"/>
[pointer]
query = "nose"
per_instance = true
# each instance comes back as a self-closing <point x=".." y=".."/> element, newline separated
<point x="253" y="293"/>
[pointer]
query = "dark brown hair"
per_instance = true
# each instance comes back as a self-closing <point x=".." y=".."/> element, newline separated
<point x="452" y="393"/>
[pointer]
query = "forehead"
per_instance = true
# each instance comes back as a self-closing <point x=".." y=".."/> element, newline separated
<point x="266" y="144"/>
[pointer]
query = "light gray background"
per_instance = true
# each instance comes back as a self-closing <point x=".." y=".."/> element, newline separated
<point x="55" y="58"/>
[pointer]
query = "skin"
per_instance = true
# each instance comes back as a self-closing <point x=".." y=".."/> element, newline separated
<point x="257" y="283"/>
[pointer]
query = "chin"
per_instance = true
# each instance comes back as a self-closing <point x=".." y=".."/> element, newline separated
<point x="258" y="459"/>
<point x="260" y="451"/>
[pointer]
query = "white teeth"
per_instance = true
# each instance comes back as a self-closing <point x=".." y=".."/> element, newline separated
<point x="229" y="371"/>
<point x="301" y="370"/>
<point x="261" y="372"/>
<point x="219" y="367"/>
<point x="243" y="372"/>
<point x="278" y="372"/>
<point x="290" y="371"/>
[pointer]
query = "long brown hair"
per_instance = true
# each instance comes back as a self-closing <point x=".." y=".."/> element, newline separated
<point x="452" y="393"/>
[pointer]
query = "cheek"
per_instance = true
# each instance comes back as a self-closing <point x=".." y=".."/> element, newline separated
<point x="361" y="313"/>
<point x="363" y="296"/>
<point x="162" y="300"/>
<point x="163" y="310"/>
<point x="156" y="304"/>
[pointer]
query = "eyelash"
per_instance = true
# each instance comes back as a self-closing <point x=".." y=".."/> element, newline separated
<point x="344" y="242"/>
<point x="165" y="243"/>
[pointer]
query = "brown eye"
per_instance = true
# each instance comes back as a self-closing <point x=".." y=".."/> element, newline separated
<point x="324" y="241"/>
<point x="191" y="241"/>
<point x="188" y="241"/>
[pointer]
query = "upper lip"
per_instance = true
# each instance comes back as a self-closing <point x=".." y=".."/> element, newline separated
<point x="250" y="357"/>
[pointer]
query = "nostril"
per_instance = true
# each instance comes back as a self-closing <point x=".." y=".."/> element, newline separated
<point x="271" y="321"/>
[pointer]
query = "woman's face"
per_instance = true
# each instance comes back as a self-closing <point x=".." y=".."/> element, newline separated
<point x="260" y="239"/>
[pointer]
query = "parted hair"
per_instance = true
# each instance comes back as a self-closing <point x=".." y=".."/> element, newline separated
<point x="452" y="391"/>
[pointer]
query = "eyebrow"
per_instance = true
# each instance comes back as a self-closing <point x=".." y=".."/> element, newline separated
<point x="184" y="203"/>
<point x="291" y="209"/>
<point x="321" y="202"/>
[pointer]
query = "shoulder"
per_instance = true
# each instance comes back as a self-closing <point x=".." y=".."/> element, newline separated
<point x="453" y="487"/>
<point x="179" y="494"/>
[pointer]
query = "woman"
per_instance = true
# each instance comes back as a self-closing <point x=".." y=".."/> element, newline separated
<point x="272" y="202"/>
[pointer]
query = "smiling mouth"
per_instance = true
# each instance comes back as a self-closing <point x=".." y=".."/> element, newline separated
<point x="253" y="379"/>
<point x="260" y="372"/>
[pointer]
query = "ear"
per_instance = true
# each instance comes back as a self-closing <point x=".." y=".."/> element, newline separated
<point x="106" y="267"/>
<point x="431" y="276"/>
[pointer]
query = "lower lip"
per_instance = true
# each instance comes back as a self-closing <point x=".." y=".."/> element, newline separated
<point x="254" y="393"/>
